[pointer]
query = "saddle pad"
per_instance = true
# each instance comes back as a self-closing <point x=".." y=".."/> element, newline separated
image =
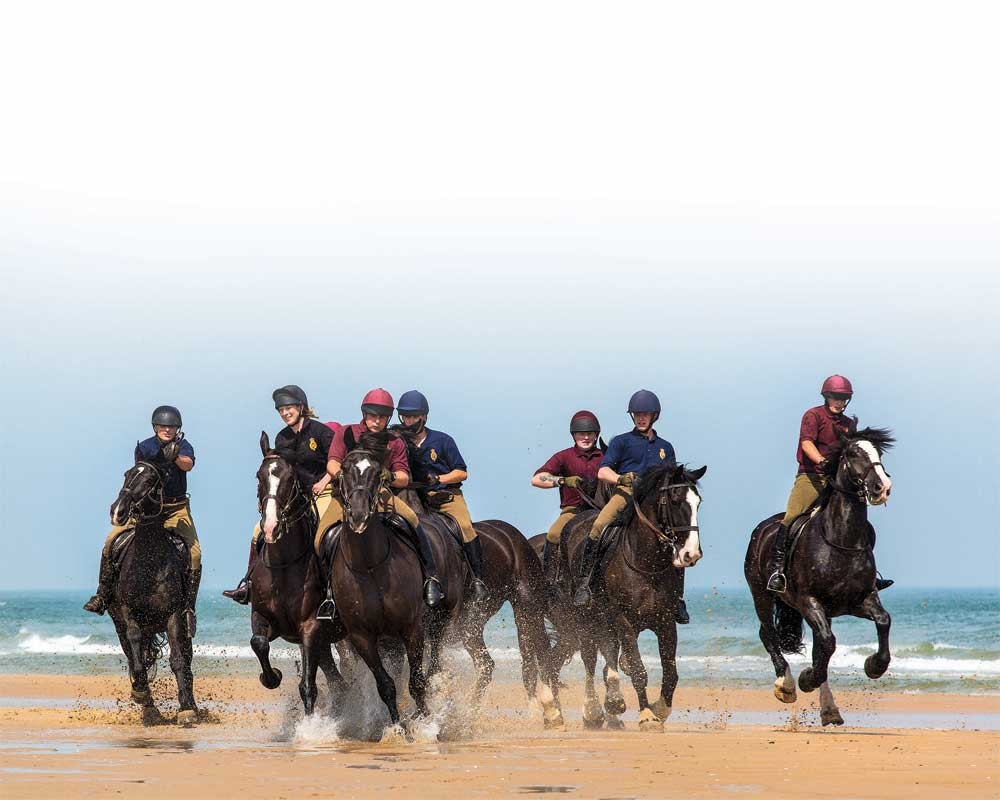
<point x="795" y="531"/>
<point x="123" y="543"/>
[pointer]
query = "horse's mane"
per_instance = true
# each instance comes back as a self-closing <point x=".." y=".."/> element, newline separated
<point x="376" y="443"/>
<point x="646" y="484"/>
<point x="881" y="438"/>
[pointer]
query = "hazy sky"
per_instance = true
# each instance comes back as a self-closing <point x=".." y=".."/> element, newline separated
<point x="522" y="210"/>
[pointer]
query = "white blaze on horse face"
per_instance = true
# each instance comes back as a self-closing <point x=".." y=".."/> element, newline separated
<point x="271" y="505"/>
<point x="363" y="465"/>
<point x="689" y="554"/>
<point x="869" y="450"/>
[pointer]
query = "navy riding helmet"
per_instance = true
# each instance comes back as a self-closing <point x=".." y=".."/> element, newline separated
<point x="644" y="402"/>
<point x="412" y="403"/>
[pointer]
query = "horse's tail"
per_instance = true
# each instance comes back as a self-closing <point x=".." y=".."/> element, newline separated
<point x="151" y="649"/>
<point x="788" y="623"/>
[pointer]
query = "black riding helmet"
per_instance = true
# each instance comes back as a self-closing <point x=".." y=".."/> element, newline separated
<point x="167" y="415"/>
<point x="290" y="395"/>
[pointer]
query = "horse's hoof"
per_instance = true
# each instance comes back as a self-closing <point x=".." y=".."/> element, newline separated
<point x="187" y="718"/>
<point x="143" y="698"/>
<point x="661" y="709"/>
<point x="554" y="721"/>
<point x="272" y="684"/>
<point x="593" y="715"/>
<point x="614" y="705"/>
<point x="615" y="724"/>
<point x="593" y="724"/>
<point x="783" y="696"/>
<point x="831" y="717"/>
<point x="649" y="722"/>
<point x="150" y="716"/>
<point x="806" y="683"/>
<point x="874" y="669"/>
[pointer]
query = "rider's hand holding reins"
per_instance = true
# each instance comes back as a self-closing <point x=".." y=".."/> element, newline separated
<point x="572" y="481"/>
<point x="626" y="479"/>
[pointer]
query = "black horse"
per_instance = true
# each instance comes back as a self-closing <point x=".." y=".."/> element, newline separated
<point x="286" y="582"/>
<point x="377" y="581"/>
<point x="149" y="597"/>
<point x="642" y="579"/>
<point x="831" y="571"/>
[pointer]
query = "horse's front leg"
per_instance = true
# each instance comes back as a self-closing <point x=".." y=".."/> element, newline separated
<point x="593" y="714"/>
<point x="311" y="639"/>
<point x="631" y="662"/>
<point x="137" y="669"/>
<point x="878" y="662"/>
<point x="366" y="646"/>
<point x="260" y="643"/>
<point x="824" y="644"/>
<point x="666" y="640"/>
<point x="181" y="653"/>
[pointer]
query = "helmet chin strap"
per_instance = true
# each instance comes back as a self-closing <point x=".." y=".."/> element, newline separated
<point x="417" y="427"/>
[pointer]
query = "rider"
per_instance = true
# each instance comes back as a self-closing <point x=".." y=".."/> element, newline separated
<point x="304" y="443"/>
<point x="376" y="410"/>
<point x="441" y="465"/>
<point x="819" y="435"/>
<point x="569" y="469"/>
<point x="174" y="456"/>
<point x="628" y="455"/>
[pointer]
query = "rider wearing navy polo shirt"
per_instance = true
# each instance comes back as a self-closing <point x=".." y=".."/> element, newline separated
<point x="440" y="464"/>
<point x="173" y="455"/>
<point x="628" y="455"/>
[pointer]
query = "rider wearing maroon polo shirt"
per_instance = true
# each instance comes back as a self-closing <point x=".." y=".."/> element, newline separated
<point x="820" y="433"/>
<point x="569" y="469"/>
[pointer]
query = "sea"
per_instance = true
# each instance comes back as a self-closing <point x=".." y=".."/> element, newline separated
<point x="942" y="640"/>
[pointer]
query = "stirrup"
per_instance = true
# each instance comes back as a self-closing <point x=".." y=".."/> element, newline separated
<point x="327" y="610"/>
<point x="479" y="590"/>
<point x="241" y="594"/>
<point x="432" y="592"/>
<point x="96" y="605"/>
<point x="777" y="583"/>
<point x="882" y="583"/>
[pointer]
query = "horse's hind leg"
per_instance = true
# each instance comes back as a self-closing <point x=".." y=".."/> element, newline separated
<point x="614" y="701"/>
<point x="878" y="662"/>
<point x="784" y="683"/>
<point x="483" y="661"/>
<point x="824" y="644"/>
<point x="334" y="680"/>
<point x="418" y="681"/>
<point x="260" y="643"/>
<point x="537" y="662"/>
<point x="829" y="714"/>
<point x="593" y="714"/>
<point x="180" y="662"/>
<point x="367" y="648"/>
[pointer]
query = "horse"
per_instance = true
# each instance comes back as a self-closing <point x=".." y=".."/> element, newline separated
<point x="377" y="580"/>
<point x="149" y="597"/>
<point x="286" y="582"/>
<point x="641" y="582"/>
<point x="512" y="574"/>
<point x="831" y="571"/>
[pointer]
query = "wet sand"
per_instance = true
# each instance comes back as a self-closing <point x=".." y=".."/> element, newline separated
<point x="77" y="737"/>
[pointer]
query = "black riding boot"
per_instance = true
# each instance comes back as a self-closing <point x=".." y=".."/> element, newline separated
<point x="681" y="616"/>
<point x="328" y="608"/>
<point x="882" y="583"/>
<point x="433" y="593"/>
<point x="549" y="559"/>
<point x="190" y="618"/>
<point x="777" y="582"/>
<point x="583" y="596"/>
<point x="98" y="604"/>
<point x="474" y="553"/>
<point x="241" y="594"/>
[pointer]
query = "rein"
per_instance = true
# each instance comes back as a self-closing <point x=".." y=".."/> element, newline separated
<point x="308" y="507"/>
<point x="662" y="530"/>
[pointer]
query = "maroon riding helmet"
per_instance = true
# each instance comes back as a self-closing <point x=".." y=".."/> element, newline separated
<point x="378" y="401"/>
<point x="837" y="384"/>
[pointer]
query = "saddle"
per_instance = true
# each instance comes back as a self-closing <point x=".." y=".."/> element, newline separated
<point x="606" y="547"/>
<point x="399" y="526"/>
<point x="123" y="543"/>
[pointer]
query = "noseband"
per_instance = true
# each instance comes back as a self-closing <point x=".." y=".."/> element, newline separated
<point x="662" y="527"/>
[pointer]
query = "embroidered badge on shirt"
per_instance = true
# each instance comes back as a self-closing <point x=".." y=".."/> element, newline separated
<point x="312" y="444"/>
<point x="663" y="454"/>
<point x="434" y="455"/>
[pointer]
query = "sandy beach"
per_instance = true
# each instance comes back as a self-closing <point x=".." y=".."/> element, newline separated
<point x="76" y="736"/>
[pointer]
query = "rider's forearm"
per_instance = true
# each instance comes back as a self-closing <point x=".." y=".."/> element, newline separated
<point x="543" y="480"/>
<point x="323" y="482"/>
<point x="607" y="474"/>
<point x="400" y="480"/>
<point x="332" y="468"/>
<point x="810" y="450"/>
<point x="184" y="463"/>
<point x="455" y="476"/>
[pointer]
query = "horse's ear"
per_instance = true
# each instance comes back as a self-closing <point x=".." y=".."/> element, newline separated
<point x="265" y="443"/>
<point x="602" y="444"/>
<point x="696" y="474"/>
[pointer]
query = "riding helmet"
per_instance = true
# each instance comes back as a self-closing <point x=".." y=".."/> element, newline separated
<point x="837" y="384"/>
<point x="377" y="401"/>
<point x="167" y="415"/>
<point x="644" y="402"/>
<point x="584" y="422"/>
<point x="290" y="395"/>
<point x="412" y="403"/>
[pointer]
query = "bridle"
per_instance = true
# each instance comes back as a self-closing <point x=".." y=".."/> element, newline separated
<point x="377" y="492"/>
<point x="662" y="527"/>
<point x="156" y="487"/>
<point x="859" y="487"/>
<point x="282" y="514"/>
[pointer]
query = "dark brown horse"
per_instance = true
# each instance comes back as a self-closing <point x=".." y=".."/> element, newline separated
<point x="512" y="574"/>
<point x="286" y="584"/>
<point x="377" y="581"/>
<point x="640" y="582"/>
<point x="149" y="596"/>
<point x="831" y="572"/>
